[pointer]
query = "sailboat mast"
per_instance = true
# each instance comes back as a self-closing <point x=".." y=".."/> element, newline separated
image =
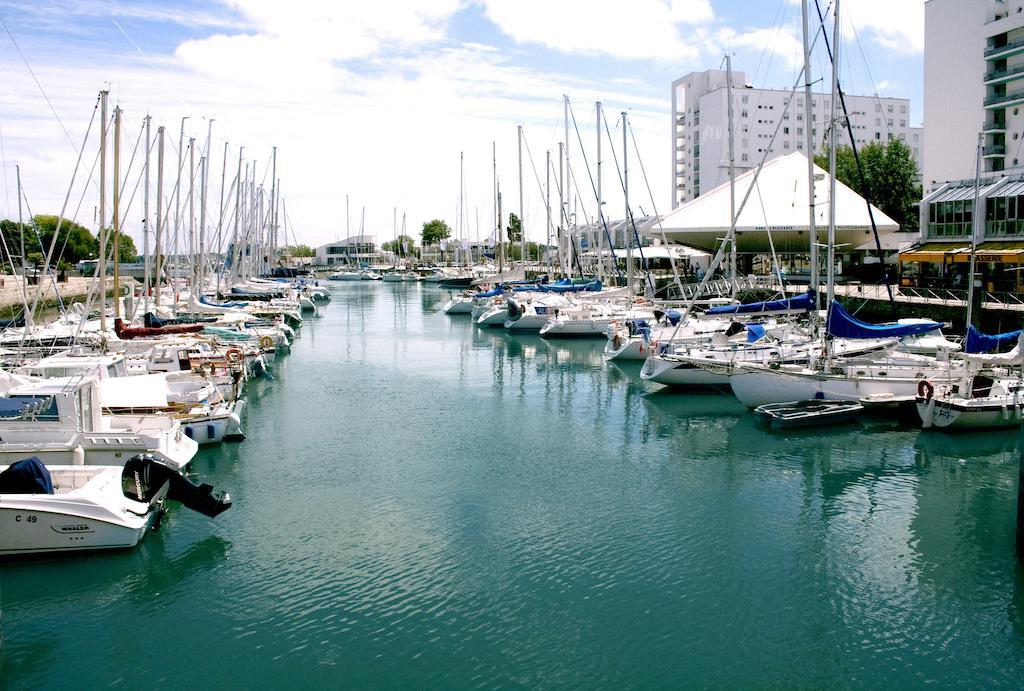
<point x="158" y="264"/>
<point x="117" y="212"/>
<point x="175" y="256"/>
<point x="732" y="175"/>
<point x="21" y="227"/>
<point x="522" y="221"/>
<point x="600" y="202"/>
<point x="976" y="218"/>
<point x="625" y="195"/>
<point x="201" y="272"/>
<point x="809" y="148"/>
<point x="459" y="227"/>
<point x="101" y="262"/>
<point x="832" y="158"/>
<point x="235" y="255"/>
<point x="192" y="214"/>
<point x="274" y="191"/>
<point x="494" y="192"/>
<point x="145" y="217"/>
<point x="547" y="206"/>
<point x="562" y="216"/>
<point x="220" y="206"/>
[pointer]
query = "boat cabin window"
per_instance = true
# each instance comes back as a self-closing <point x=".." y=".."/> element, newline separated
<point x="85" y="409"/>
<point x="28" y="408"/>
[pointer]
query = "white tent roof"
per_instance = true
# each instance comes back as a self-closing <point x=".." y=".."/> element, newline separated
<point x="777" y="203"/>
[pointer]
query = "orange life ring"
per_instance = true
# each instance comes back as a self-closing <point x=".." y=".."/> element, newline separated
<point x="234" y="355"/>
<point x="925" y="389"/>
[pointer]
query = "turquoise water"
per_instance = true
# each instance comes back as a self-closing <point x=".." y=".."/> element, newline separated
<point x="423" y="504"/>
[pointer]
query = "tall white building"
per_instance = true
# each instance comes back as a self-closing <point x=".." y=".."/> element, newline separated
<point x="973" y="81"/>
<point x="973" y="85"/>
<point x="701" y="140"/>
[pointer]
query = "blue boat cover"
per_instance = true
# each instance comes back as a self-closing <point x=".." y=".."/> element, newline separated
<point x="803" y="303"/>
<point x="28" y="476"/>
<point x="493" y="292"/>
<point x="207" y="301"/>
<point x="842" y="324"/>
<point x="755" y="332"/>
<point x="674" y="316"/>
<point x="978" y="342"/>
<point x="590" y="286"/>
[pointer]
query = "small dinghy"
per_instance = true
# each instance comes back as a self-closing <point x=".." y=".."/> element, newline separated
<point x="811" y="413"/>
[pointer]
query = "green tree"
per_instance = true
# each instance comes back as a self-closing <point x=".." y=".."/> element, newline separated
<point x="126" y="248"/>
<point x="299" y="251"/>
<point x="404" y="246"/>
<point x="533" y="251"/>
<point x="434" y="232"/>
<point x="890" y="174"/>
<point x="514" y="231"/>
<point x="74" y="243"/>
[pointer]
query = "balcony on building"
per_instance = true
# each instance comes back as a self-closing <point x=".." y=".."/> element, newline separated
<point x="993" y="150"/>
<point x="994" y="127"/>
<point x="1004" y="99"/>
<point x="1005" y="74"/>
<point x="999" y="47"/>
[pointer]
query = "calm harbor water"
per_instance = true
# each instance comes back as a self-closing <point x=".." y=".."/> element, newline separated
<point x="422" y="503"/>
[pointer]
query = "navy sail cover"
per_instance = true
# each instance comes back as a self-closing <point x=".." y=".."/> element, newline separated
<point x="977" y="342"/>
<point x="800" y="303"/>
<point x="842" y="324"/>
<point x="28" y="476"/>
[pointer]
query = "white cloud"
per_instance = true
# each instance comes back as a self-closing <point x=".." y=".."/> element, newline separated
<point x="641" y="29"/>
<point x="896" y="25"/>
<point x="692" y="11"/>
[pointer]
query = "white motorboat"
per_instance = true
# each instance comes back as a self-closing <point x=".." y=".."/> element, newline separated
<point x="88" y="508"/>
<point x="494" y="316"/>
<point x="61" y="421"/>
<point x="529" y="312"/>
<point x="589" y="319"/>
<point x="459" y="304"/>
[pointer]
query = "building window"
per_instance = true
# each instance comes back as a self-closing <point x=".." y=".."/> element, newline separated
<point x="903" y="110"/>
<point x="800" y="130"/>
<point x="785" y="130"/>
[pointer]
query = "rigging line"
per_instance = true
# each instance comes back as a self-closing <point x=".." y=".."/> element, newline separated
<point x="39" y="241"/>
<point x="654" y="207"/>
<point x="3" y="162"/>
<point x="863" y="178"/>
<point x="67" y="197"/>
<point x="720" y="253"/>
<point x="593" y="186"/>
<point x="38" y="84"/>
<point x="533" y="167"/>
<point x="629" y="219"/>
<point x="874" y="83"/>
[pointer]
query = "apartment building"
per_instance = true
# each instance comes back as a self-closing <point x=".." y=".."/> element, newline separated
<point x="700" y="127"/>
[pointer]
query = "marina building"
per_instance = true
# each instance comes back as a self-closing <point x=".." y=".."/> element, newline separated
<point x="973" y="89"/>
<point x="776" y="220"/>
<point x="700" y="127"/>
<point x="353" y="250"/>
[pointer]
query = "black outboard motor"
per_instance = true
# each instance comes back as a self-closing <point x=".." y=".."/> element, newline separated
<point x="514" y="310"/>
<point x="144" y="476"/>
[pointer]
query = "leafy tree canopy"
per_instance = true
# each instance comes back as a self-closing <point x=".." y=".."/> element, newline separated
<point x="890" y="174"/>
<point x="434" y="232"/>
<point x="299" y="251"/>
<point x="404" y="246"/>
<point x="515" y="228"/>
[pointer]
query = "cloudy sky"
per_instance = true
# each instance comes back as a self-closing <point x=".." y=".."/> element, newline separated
<point x="376" y="100"/>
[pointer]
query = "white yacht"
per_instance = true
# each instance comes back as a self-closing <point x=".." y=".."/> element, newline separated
<point x="61" y="421"/>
